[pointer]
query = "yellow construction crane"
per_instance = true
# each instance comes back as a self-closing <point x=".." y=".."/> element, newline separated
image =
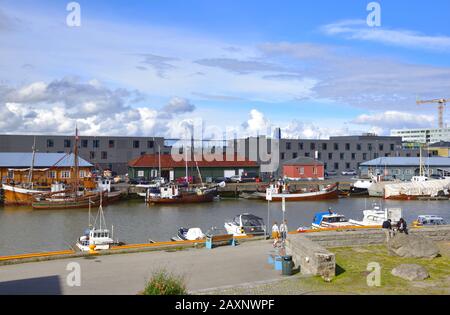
<point x="442" y="102"/>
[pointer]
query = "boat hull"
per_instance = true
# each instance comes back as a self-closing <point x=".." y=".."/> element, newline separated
<point x="185" y="198"/>
<point x="76" y="204"/>
<point x="332" y="193"/>
<point x="17" y="196"/>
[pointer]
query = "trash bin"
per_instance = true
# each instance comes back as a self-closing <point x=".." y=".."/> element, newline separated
<point x="287" y="266"/>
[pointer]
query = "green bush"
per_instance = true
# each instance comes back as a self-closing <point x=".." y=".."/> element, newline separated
<point x="164" y="283"/>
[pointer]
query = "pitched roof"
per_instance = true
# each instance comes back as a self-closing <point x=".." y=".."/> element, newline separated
<point x="303" y="161"/>
<point x="408" y="161"/>
<point x="20" y="159"/>
<point x="441" y="144"/>
<point x="152" y="160"/>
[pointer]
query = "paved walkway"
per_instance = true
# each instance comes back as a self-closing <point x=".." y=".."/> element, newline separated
<point x="128" y="273"/>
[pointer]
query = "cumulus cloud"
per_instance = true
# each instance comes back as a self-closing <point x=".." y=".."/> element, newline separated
<point x="358" y="29"/>
<point x="57" y="106"/>
<point x="385" y="121"/>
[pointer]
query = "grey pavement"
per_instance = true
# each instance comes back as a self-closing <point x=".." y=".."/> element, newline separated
<point x="128" y="273"/>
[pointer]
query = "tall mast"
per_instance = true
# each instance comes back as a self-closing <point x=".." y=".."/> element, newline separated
<point x="420" y="161"/>
<point x="76" y="163"/>
<point x="159" y="161"/>
<point x="186" y="164"/>
<point x="30" y="174"/>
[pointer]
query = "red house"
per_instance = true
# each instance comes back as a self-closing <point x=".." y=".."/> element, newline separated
<point x="303" y="168"/>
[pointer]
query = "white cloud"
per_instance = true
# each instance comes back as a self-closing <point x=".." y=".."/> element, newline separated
<point x="385" y="121"/>
<point x="358" y="29"/>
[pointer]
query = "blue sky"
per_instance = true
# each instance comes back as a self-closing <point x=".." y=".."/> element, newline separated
<point x="149" y="67"/>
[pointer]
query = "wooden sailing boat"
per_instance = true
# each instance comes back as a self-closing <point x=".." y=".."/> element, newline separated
<point x="22" y="195"/>
<point x="74" y="198"/>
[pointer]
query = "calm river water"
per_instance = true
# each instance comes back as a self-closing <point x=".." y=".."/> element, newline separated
<point x="24" y="230"/>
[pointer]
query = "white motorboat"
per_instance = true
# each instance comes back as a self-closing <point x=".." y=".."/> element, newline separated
<point x="375" y="216"/>
<point x="192" y="234"/>
<point x="327" y="220"/>
<point x="100" y="238"/>
<point x="361" y="186"/>
<point x="245" y="224"/>
<point x="429" y="220"/>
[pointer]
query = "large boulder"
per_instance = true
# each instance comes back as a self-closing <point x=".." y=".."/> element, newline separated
<point x="412" y="246"/>
<point x="410" y="272"/>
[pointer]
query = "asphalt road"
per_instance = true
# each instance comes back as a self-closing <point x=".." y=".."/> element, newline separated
<point x="128" y="273"/>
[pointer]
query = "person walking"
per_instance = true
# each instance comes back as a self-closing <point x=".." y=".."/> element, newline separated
<point x="387" y="228"/>
<point x="275" y="233"/>
<point x="283" y="230"/>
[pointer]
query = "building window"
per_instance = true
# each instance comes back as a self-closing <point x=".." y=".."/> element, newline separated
<point x="294" y="155"/>
<point x="82" y="174"/>
<point x="347" y="147"/>
<point x="307" y="154"/>
<point x="358" y="147"/>
<point x="288" y="145"/>
<point x="92" y="155"/>
<point x="325" y="165"/>
<point x="136" y="144"/>
<point x="341" y="156"/>
<point x="336" y="146"/>
<point x="347" y="165"/>
<point x="84" y="143"/>
<point x="67" y="143"/>
<point x="300" y="146"/>
<point x="313" y="146"/>
<point x="319" y="155"/>
<point x="51" y="174"/>
<point x="96" y="143"/>
<point x="111" y="144"/>
<point x="315" y="170"/>
<point x="330" y="156"/>
<point x="375" y="155"/>
<point x="140" y="173"/>
<point x="104" y="155"/>
<point x="336" y="166"/>
<point x="324" y="146"/>
<point x="392" y="147"/>
<point x="10" y="174"/>
<point x="364" y="156"/>
<point x="150" y="144"/>
<point x="301" y="170"/>
<point x="282" y="155"/>
<point x="50" y="143"/>
<point x="353" y="156"/>
<point x="381" y="147"/>
<point x="143" y="153"/>
<point x="65" y="174"/>
<point x="369" y="146"/>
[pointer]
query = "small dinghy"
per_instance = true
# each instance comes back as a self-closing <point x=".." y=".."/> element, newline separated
<point x="185" y="234"/>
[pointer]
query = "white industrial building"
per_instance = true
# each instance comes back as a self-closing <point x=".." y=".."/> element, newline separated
<point x="422" y="135"/>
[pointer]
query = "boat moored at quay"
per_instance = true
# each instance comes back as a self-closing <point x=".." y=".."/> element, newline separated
<point x="279" y="191"/>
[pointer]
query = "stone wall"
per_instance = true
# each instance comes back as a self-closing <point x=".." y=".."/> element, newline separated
<point x="372" y="236"/>
<point x="311" y="257"/>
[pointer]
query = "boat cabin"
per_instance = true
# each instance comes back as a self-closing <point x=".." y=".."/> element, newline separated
<point x="327" y="219"/>
<point x="429" y="220"/>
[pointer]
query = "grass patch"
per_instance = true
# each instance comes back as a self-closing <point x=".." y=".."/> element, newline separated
<point x="164" y="283"/>
<point x="352" y="273"/>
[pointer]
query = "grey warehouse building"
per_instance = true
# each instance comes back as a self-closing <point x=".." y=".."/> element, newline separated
<point x="103" y="152"/>
<point x="404" y="168"/>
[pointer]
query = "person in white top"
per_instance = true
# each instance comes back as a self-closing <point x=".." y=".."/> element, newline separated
<point x="283" y="230"/>
<point x="275" y="233"/>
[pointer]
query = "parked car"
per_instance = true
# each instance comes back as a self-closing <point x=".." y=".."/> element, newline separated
<point x="222" y="179"/>
<point x="138" y="181"/>
<point x="235" y="178"/>
<point x="330" y="173"/>
<point x="249" y="177"/>
<point x="181" y="180"/>
<point x="349" y="172"/>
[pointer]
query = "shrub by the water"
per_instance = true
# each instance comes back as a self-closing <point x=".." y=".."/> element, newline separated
<point x="164" y="283"/>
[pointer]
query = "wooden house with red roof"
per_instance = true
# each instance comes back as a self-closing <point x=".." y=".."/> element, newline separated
<point x="146" y="166"/>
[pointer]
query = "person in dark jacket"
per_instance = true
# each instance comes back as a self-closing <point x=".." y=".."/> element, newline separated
<point x="387" y="228"/>
<point x="402" y="227"/>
